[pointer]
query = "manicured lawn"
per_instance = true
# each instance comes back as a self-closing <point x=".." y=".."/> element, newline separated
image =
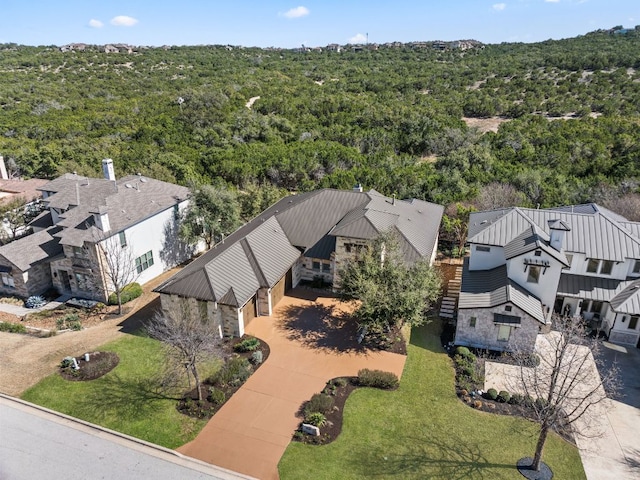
<point x="127" y="399"/>
<point x="423" y="431"/>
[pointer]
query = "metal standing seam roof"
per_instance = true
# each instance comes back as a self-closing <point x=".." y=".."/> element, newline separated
<point x="590" y="288"/>
<point x="32" y="249"/>
<point x="529" y="240"/>
<point x="628" y="301"/>
<point x="491" y="288"/>
<point x="595" y="234"/>
<point x="264" y="249"/>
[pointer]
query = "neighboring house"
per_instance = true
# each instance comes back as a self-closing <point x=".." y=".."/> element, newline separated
<point x="133" y="217"/>
<point x="303" y="237"/>
<point x="527" y="264"/>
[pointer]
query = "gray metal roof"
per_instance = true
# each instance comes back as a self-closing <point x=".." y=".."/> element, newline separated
<point x="595" y="234"/>
<point x="32" y="249"/>
<point x="530" y="240"/>
<point x="125" y="205"/>
<point x="490" y="288"/>
<point x="628" y="301"/>
<point x="590" y="288"/>
<point x="260" y="252"/>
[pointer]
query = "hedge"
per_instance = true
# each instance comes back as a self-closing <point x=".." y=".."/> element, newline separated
<point x="128" y="293"/>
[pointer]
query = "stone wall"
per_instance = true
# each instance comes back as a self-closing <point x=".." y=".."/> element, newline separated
<point x="342" y="254"/>
<point x="177" y="307"/>
<point x="485" y="333"/>
<point x="307" y="273"/>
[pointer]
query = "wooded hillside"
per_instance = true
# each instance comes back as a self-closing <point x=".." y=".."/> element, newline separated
<point x="392" y="119"/>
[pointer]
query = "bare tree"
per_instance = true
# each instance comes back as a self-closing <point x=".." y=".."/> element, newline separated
<point x="498" y="195"/>
<point x="117" y="265"/>
<point x="564" y="388"/>
<point x="189" y="339"/>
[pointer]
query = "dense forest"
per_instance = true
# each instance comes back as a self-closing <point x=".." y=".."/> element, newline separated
<point x="395" y="119"/>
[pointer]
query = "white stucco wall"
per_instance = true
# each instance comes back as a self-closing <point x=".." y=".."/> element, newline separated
<point x="547" y="285"/>
<point x="480" y="260"/>
<point x="580" y="261"/>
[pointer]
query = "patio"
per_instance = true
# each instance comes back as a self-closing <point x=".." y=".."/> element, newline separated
<point x="311" y="342"/>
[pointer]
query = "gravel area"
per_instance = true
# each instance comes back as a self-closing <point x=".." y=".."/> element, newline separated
<point x="27" y="359"/>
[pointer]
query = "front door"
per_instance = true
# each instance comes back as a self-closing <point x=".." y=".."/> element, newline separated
<point x="66" y="284"/>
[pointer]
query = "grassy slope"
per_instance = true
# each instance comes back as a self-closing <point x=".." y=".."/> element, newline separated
<point x="423" y="431"/>
<point x="124" y="400"/>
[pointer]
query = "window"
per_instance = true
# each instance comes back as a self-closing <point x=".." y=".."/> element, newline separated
<point x="144" y="261"/>
<point x="472" y="322"/>
<point x="633" y="323"/>
<point x="592" y="266"/>
<point x="537" y="253"/>
<point x="176" y="212"/>
<point x="504" y="332"/>
<point x="534" y="274"/>
<point x="79" y="252"/>
<point x="482" y="248"/>
<point x="316" y="265"/>
<point x="7" y="280"/>
<point x="569" y="259"/>
<point x="636" y="267"/>
<point x="607" y="267"/>
<point x="326" y="267"/>
<point x="123" y="239"/>
<point x="507" y="308"/>
<point x="83" y="282"/>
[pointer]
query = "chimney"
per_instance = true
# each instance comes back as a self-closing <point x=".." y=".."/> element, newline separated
<point x="3" y="169"/>
<point x="107" y="169"/>
<point x="558" y="229"/>
<point x="357" y="188"/>
<point x="393" y="202"/>
<point x="101" y="217"/>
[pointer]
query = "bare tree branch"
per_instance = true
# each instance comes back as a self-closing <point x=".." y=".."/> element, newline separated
<point x="117" y="265"/>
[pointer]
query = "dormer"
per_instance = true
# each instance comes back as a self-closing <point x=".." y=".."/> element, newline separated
<point x="558" y="230"/>
<point x="101" y="218"/>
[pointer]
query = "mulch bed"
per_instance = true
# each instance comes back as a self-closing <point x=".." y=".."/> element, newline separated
<point x="99" y="364"/>
<point x="189" y="404"/>
<point x="392" y="341"/>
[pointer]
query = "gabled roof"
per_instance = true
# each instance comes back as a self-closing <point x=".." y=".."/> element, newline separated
<point x="491" y="288"/>
<point x="32" y="249"/>
<point x="260" y="252"/>
<point x="127" y="201"/>
<point x="594" y="231"/>
<point x="530" y="240"/>
<point x="590" y="288"/>
<point x="628" y="301"/>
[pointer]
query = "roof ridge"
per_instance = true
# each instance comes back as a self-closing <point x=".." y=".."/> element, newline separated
<point x="253" y="261"/>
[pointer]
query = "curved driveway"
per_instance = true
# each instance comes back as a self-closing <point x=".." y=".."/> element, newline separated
<point x="311" y="342"/>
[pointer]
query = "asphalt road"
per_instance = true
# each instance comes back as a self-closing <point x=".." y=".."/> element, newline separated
<point x="36" y="444"/>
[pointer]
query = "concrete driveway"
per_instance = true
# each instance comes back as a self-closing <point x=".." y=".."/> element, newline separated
<point x="609" y="444"/>
<point x="310" y="343"/>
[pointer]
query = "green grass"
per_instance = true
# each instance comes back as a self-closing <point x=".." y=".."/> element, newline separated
<point x="127" y="399"/>
<point x="423" y="431"/>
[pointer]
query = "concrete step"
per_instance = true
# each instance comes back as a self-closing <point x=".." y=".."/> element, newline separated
<point x="446" y="315"/>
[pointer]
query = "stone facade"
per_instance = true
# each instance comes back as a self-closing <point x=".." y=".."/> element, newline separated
<point x="35" y="281"/>
<point x="313" y="268"/>
<point x="78" y="273"/>
<point x="346" y="249"/>
<point x="181" y="306"/>
<point x="485" y="332"/>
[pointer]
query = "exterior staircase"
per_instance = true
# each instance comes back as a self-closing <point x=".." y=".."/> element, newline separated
<point x="449" y="304"/>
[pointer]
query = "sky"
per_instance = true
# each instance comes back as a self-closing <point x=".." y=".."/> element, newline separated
<point x="289" y="24"/>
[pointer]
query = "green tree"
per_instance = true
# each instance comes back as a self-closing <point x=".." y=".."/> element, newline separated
<point x="212" y="213"/>
<point x="389" y="291"/>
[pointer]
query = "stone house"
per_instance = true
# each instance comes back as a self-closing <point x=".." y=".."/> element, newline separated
<point x="301" y="238"/>
<point x="526" y="264"/>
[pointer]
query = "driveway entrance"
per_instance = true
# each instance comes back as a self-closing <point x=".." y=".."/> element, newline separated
<point x="311" y="342"/>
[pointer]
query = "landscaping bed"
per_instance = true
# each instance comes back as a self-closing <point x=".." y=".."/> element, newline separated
<point x="99" y="364"/>
<point x="62" y="317"/>
<point x="243" y="356"/>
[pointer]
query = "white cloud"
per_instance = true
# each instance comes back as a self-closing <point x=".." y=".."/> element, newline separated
<point x="359" y="38"/>
<point x="123" y="21"/>
<point x="499" y="6"/>
<point x="552" y="1"/>
<point x="93" y="23"/>
<point x="297" y="12"/>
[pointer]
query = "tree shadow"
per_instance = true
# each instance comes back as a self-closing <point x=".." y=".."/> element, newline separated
<point x="174" y="251"/>
<point x="320" y="327"/>
<point x="451" y="459"/>
<point x="135" y="323"/>
<point x="632" y="458"/>
<point x="127" y="399"/>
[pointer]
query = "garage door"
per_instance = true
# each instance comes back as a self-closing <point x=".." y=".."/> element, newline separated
<point x="277" y="292"/>
<point x="249" y="311"/>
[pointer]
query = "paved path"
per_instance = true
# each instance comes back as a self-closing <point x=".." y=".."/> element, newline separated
<point x="252" y="430"/>
<point x="39" y="444"/>
<point x="26" y="360"/>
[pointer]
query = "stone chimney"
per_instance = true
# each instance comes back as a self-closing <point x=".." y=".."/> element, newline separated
<point x="107" y="169"/>
<point x="3" y="169"/>
<point x="357" y="188"/>
<point x="101" y="217"/>
<point x="558" y="229"/>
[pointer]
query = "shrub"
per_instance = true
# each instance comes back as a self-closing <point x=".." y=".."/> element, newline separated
<point x="465" y="352"/>
<point x="377" y="379"/>
<point x="12" y="327"/>
<point x="217" y="396"/>
<point x="319" y="403"/>
<point x="340" y="382"/>
<point x="528" y="401"/>
<point x="477" y="404"/>
<point x="128" y="293"/>
<point x="504" y="396"/>
<point x="35" y="301"/>
<point x="70" y="320"/>
<point x="316" y="418"/>
<point x="235" y="372"/>
<point x="540" y="403"/>
<point x="491" y="394"/>
<point x="516" y="399"/>
<point x="247" y="345"/>
<point x="256" y="357"/>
